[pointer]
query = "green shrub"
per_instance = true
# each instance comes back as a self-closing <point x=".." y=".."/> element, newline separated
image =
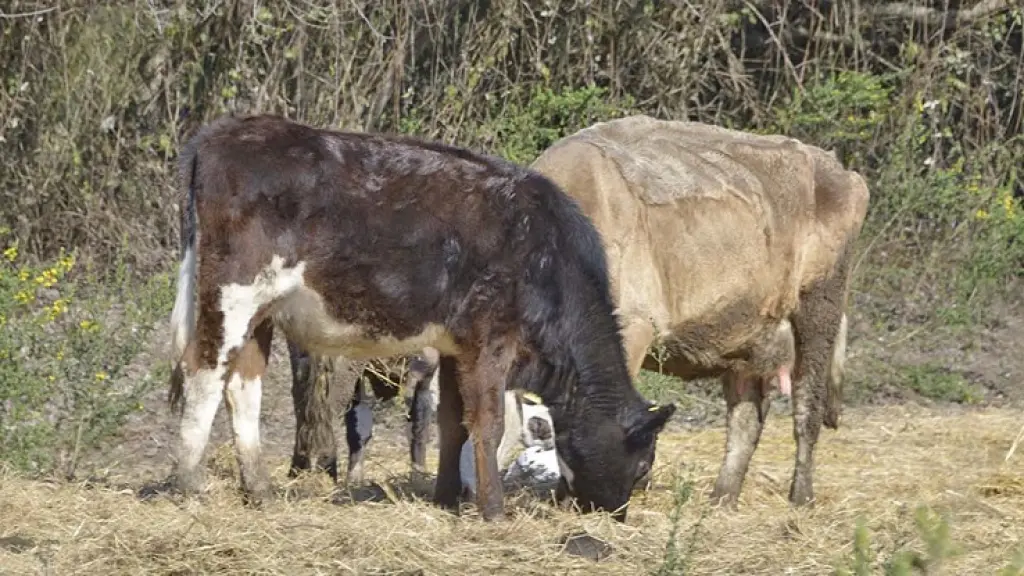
<point x="66" y="341"/>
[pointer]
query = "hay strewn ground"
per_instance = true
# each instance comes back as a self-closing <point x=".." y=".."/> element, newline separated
<point x="879" y="466"/>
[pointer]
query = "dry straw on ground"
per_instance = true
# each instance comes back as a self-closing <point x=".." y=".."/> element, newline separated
<point x="879" y="466"/>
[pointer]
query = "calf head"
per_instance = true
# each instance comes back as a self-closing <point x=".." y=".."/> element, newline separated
<point x="602" y="461"/>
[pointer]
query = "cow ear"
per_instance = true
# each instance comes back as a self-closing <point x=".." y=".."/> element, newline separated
<point x="649" y="421"/>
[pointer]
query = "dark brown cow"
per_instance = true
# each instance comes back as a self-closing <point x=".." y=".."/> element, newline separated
<point x="731" y="249"/>
<point x="363" y="245"/>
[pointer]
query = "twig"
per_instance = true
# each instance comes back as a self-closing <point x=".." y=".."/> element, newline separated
<point x="26" y="14"/>
<point x="1013" y="447"/>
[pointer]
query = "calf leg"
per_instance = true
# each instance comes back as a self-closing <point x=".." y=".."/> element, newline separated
<point x="201" y="378"/>
<point x="312" y="397"/>
<point x="483" y="391"/>
<point x="421" y="413"/>
<point x="244" y="391"/>
<point x="748" y="403"/>
<point x="358" y="432"/>
<point x="451" y="434"/>
<point x="818" y="324"/>
<point x="202" y="392"/>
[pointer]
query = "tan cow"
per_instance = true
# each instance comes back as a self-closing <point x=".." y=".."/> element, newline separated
<point x="733" y="251"/>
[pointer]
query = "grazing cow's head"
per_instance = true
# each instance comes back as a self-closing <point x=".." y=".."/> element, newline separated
<point x="603" y="461"/>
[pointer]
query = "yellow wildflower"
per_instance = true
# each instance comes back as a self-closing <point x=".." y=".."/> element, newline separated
<point x="24" y="297"/>
<point x="12" y="252"/>
<point x="47" y="278"/>
<point x="60" y="354"/>
<point x="101" y="376"/>
<point x="67" y="262"/>
<point x="23" y="275"/>
<point x="981" y="215"/>
<point x="1009" y="206"/>
<point x="88" y="325"/>
<point x="59" y="307"/>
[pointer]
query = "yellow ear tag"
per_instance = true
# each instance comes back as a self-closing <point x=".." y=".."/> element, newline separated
<point x="532" y="398"/>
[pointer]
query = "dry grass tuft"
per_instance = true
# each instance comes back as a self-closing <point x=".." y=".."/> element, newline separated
<point x="878" y="467"/>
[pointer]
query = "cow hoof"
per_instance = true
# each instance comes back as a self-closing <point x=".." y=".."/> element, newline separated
<point x="188" y="482"/>
<point x="493" y="514"/>
<point x="801" y="496"/>
<point x="257" y="499"/>
<point x="724" y="500"/>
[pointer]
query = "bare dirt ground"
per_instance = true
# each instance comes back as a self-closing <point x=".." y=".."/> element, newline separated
<point x="881" y="464"/>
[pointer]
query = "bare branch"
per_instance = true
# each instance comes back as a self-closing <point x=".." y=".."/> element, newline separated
<point x="944" y="18"/>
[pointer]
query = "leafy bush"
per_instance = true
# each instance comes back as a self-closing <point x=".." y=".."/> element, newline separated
<point x="66" y="342"/>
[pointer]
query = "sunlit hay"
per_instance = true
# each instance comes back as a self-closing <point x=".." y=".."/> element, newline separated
<point x="878" y="466"/>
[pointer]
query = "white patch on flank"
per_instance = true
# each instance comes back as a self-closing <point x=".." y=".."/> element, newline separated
<point x="239" y="302"/>
<point x="302" y="315"/>
<point x="183" y="314"/>
<point x="839" y="352"/>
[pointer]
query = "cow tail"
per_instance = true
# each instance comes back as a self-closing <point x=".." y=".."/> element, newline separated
<point x="183" y="314"/>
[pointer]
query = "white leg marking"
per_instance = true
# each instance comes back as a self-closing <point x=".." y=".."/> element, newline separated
<point x="467" y="468"/>
<point x="202" y="399"/>
<point x="839" y="352"/>
<point x="183" y="313"/>
<point x="245" y="397"/>
<point x="785" y="381"/>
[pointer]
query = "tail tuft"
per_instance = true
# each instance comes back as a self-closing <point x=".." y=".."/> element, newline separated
<point x="183" y="316"/>
<point x="834" y="379"/>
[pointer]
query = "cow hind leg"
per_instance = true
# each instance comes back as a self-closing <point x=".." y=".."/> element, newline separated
<point x="820" y="335"/>
<point x="451" y="434"/>
<point x="748" y="403"/>
<point x="244" y="394"/>
<point x="202" y="392"/>
<point x="312" y="399"/>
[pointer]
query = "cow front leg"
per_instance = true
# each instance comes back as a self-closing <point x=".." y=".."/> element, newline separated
<point x="483" y="391"/>
<point x="358" y="432"/>
<point x="451" y="435"/>
<point x="421" y="414"/>
<point x="748" y="403"/>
